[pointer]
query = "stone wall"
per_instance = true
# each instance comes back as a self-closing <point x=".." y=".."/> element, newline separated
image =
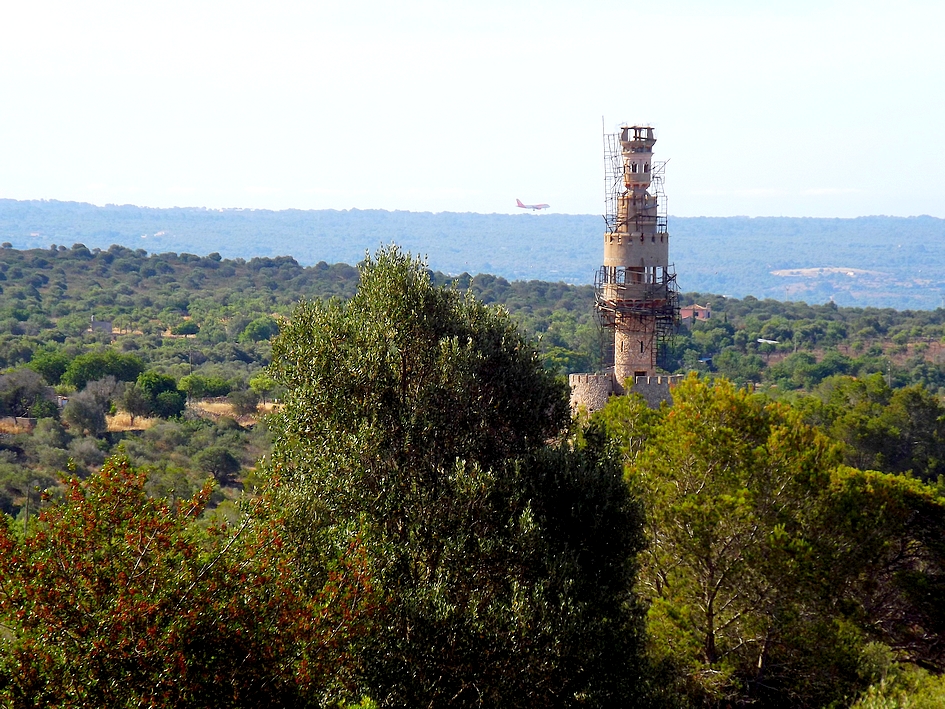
<point x="590" y="391"/>
<point x="656" y="390"/>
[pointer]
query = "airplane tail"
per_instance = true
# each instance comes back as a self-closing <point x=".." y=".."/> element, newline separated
<point x="518" y="203"/>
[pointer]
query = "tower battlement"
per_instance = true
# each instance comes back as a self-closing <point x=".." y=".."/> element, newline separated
<point x="591" y="390"/>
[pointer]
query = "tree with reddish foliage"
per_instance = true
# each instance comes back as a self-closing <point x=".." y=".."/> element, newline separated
<point x="118" y="599"/>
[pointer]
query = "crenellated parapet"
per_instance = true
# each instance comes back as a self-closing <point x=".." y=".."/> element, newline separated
<point x="591" y="391"/>
<point x="656" y="389"/>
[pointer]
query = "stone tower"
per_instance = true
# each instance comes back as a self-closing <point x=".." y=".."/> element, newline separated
<point x="637" y="302"/>
<point x="635" y="287"/>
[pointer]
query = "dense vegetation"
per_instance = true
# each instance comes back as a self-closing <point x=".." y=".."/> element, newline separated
<point x="775" y="575"/>
<point x="420" y="522"/>
<point x="811" y="342"/>
<point x="184" y="326"/>
<point x="426" y="536"/>
<point x="420" y="423"/>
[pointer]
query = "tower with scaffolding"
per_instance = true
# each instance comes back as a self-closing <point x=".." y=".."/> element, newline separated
<point x="636" y="287"/>
<point x="636" y="297"/>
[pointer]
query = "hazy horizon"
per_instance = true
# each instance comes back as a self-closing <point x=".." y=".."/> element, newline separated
<point x="524" y="213"/>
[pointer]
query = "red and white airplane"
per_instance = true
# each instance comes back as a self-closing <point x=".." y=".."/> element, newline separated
<point x="518" y="203"/>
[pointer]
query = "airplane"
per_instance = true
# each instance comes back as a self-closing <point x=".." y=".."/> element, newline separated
<point x="518" y="203"/>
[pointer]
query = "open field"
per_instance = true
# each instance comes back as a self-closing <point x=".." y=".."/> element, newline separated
<point x="122" y="422"/>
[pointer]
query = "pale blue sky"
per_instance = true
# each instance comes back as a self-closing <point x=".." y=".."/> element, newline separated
<point x="780" y="108"/>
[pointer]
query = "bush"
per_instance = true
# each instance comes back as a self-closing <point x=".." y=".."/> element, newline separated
<point x="171" y="614"/>
<point x="260" y="329"/>
<point x="188" y="327"/>
<point x="244" y="402"/>
<point x="219" y="463"/>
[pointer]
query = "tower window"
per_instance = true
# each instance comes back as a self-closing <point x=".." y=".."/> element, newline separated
<point x="641" y="346"/>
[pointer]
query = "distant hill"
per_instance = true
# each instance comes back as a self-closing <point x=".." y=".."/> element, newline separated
<point x="877" y="261"/>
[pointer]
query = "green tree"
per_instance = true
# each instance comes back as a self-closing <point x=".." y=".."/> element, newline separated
<point x="197" y="386"/>
<point x="419" y="419"/>
<point x="188" y="327"/>
<point x="739" y="368"/>
<point x="881" y="428"/>
<point x="244" y="402"/>
<point x="219" y="463"/>
<point x="86" y="409"/>
<point x="769" y="565"/>
<point x="134" y="401"/>
<point x="720" y="473"/>
<point x="94" y="366"/>
<point x="170" y="403"/>
<point x="163" y="396"/>
<point x="51" y="365"/>
<point x="263" y="385"/>
<point x="260" y="329"/>
<point x="20" y="391"/>
<point x="44" y="408"/>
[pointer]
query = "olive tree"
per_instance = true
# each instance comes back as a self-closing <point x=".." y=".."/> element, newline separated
<point x="86" y="410"/>
<point x="21" y="391"/>
<point x="420" y="421"/>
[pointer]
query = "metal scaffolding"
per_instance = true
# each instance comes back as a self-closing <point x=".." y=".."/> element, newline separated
<point x="658" y="302"/>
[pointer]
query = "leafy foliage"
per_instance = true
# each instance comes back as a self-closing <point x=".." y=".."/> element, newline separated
<point x="21" y="391"/>
<point x="419" y="418"/>
<point x="506" y="556"/>
<point x="160" y="392"/>
<point x="769" y="566"/>
<point x="86" y="410"/>
<point x="898" y="431"/>
<point x="219" y="463"/>
<point x="95" y="366"/>
<point x="119" y="600"/>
